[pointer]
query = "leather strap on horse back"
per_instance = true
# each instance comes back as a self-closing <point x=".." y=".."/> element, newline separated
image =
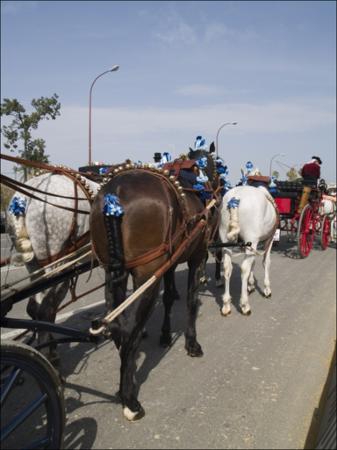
<point x="72" y="243"/>
<point x="84" y="239"/>
<point x="176" y="166"/>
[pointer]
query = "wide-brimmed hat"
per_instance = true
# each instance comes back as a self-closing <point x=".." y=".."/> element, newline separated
<point x="318" y="159"/>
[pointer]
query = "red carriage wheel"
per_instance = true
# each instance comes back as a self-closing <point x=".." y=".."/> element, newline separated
<point x="325" y="232"/>
<point x="305" y="232"/>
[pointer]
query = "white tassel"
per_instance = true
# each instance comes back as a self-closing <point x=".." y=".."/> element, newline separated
<point x="233" y="225"/>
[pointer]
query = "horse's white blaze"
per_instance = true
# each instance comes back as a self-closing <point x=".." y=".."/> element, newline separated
<point x="255" y="218"/>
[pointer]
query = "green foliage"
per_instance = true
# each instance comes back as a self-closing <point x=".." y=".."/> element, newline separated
<point x="6" y="194"/>
<point x="18" y="135"/>
<point x="292" y="174"/>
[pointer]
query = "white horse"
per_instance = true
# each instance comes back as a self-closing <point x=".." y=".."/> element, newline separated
<point x="42" y="232"/>
<point x="249" y="213"/>
<point x="329" y="209"/>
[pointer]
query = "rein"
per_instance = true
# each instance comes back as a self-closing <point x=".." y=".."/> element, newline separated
<point x="13" y="184"/>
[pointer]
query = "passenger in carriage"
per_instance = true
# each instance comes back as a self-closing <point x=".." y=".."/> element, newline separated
<point x="310" y="172"/>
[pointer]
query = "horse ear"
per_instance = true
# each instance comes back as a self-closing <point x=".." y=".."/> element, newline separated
<point x="212" y="148"/>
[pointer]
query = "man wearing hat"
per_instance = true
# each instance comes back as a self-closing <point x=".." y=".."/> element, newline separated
<point x="311" y="172"/>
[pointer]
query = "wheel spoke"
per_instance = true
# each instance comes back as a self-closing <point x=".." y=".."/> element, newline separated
<point x="20" y="418"/>
<point x="41" y="443"/>
<point x="8" y="384"/>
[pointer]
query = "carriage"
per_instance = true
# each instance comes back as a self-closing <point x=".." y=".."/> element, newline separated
<point x="32" y="402"/>
<point x="307" y="225"/>
<point x="33" y="414"/>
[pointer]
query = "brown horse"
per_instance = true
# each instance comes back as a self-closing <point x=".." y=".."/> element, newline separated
<point x="161" y="222"/>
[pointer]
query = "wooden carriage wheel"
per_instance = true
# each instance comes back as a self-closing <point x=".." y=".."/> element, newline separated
<point x="305" y="232"/>
<point x="32" y="404"/>
<point x="325" y="234"/>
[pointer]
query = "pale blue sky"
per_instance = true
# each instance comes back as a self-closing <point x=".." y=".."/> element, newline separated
<point x="185" y="69"/>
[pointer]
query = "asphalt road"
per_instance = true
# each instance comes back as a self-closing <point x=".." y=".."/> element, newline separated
<point x="256" y="387"/>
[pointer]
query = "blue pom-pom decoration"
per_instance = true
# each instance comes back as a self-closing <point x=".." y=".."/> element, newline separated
<point x="233" y="203"/>
<point x="103" y="170"/>
<point x="112" y="207"/>
<point x="198" y="187"/>
<point x="244" y="180"/>
<point x="202" y="162"/>
<point x="249" y="166"/>
<point x="202" y="179"/>
<point x="200" y="143"/>
<point x="17" y="206"/>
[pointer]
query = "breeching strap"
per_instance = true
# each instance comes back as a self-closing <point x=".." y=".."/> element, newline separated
<point x="182" y="247"/>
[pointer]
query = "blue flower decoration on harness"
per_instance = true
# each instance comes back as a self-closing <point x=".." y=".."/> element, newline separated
<point x="272" y="186"/>
<point x="166" y="158"/>
<point x="204" y="195"/>
<point x="202" y="162"/>
<point x="202" y="178"/>
<point x="249" y="166"/>
<point x="225" y="187"/>
<point x="17" y="206"/>
<point x="112" y="207"/>
<point x="200" y="143"/>
<point x="103" y="170"/>
<point x="233" y="203"/>
<point x="244" y="180"/>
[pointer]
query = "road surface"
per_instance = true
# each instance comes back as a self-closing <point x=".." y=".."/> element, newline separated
<point x="256" y="387"/>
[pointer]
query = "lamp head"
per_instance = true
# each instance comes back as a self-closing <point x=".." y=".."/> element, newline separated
<point x="114" y="68"/>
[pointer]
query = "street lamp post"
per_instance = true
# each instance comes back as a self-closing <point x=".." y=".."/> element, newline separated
<point x="217" y="135"/>
<point x="113" y="69"/>
<point x="271" y="161"/>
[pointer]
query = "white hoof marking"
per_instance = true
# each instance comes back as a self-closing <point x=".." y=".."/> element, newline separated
<point x="130" y="415"/>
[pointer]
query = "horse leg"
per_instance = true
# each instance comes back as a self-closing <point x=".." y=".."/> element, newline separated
<point x="219" y="281"/>
<point x="132" y="409"/>
<point x="175" y="293"/>
<point x="191" y="344"/>
<point x="266" y="265"/>
<point x="203" y="277"/>
<point x="43" y="306"/>
<point x="246" y="269"/>
<point x="228" y="268"/>
<point x="168" y="298"/>
<point x="251" y="280"/>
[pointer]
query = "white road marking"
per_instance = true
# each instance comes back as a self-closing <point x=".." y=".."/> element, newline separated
<point x="5" y="268"/>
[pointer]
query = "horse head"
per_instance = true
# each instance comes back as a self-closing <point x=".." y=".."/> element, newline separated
<point x="206" y="163"/>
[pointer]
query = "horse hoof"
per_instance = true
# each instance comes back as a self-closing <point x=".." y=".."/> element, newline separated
<point x="267" y="295"/>
<point x="195" y="351"/>
<point x="132" y="416"/>
<point x="246" y="313"/>
<point x="225" y="314"/>
<point x="251" y="290"/>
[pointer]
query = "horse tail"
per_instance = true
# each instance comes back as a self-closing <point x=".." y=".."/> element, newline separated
<point x="233" y="228"/>
<point x="18" y="230"/>
<point x="113" y="213"/>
